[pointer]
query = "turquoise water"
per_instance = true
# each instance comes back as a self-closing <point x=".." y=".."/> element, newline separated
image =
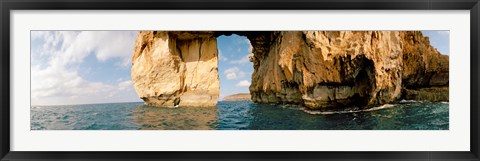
<point x="239" y="115"/>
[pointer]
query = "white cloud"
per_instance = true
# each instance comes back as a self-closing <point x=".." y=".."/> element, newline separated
<point x="125" y="84"/>
<point x="55" y="85"/>
<point x="57" y="80"/>
<point x="58" y="85"/>
<point x="231" y="76"/>
<point x="250" y="47"/>
<point x="243" y="60"/>
<point x="234" y="73"/>
<point x="73" y="46"/>
<point x="243" y="83"/>
<point x="221" y="57"/>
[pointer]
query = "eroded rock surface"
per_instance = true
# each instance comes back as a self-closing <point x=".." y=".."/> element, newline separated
<point x="341" y="68"/>
<point x="425" y="71"/>
<point x="324" y="69"/>
<point x="318" y="69"/>
<point x="170" y="68"/>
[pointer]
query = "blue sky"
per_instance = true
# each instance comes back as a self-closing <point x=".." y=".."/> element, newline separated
<point x="235" y="70"/>
<point x="439" y="40"/>
<point x="81" y="67"/>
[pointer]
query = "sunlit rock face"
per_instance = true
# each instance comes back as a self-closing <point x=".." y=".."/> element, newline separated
<point x="329" y="69"/>
<point x="318" y="69"/>
<point x="343" y="68"/>
<point x="170" y="69"/>
<point x="425" y="71"/>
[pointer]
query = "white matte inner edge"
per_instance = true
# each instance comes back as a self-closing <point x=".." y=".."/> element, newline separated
<point x="454" y="139"/>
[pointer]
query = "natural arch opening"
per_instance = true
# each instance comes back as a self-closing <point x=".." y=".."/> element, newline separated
<point x="234" y="67"/>
<point x="180" y="68"/>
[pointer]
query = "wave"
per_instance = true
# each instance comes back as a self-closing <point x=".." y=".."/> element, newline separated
<point x="409" y="101"/>
<point x="314" y="112"/>
<point x="291" y="107"/>
<point x="385" y="106"/>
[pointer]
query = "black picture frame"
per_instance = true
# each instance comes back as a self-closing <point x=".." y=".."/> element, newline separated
<point x="5" y="72"/>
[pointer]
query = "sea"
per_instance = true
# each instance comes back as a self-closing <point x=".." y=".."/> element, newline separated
<point x="240" y="115"/>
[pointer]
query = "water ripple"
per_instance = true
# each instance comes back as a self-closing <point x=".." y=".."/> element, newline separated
<point x="241" y="115"/>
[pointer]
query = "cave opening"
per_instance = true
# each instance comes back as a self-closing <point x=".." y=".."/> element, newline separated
<point x="364" y="82"/>
<point x="234" y="67"/>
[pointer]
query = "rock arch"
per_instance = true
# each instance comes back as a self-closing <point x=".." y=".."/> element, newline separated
<point x="316" y="68"/>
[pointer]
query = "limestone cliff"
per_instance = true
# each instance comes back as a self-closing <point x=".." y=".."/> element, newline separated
<point x="326" y="69"/>
<point x="318" y="69"/>
<point x="425" y="71"/>
<point x="170" y="68"/>
<point x="341" y="68"/>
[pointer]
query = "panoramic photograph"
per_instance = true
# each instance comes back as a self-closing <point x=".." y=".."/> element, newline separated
<point x="239" y="80"/>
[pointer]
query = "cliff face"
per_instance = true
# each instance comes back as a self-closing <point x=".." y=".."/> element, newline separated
<point x="171" y="69"/>
<point x="316" y="68"/>
<point x="324" y="69"/>
<point x="341" y="68"/>
<point x="425" y="70"/>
